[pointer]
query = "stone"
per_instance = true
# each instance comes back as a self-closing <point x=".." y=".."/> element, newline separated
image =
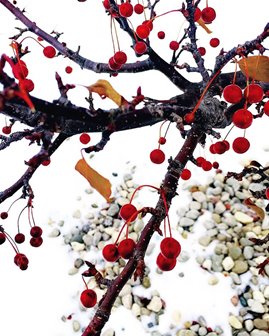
<point x="240" y="267"/>
<point x="194" y="205"/>
<point x="54" y="233"/>
<point x="155" y="304"/>
<point x="77" y="246"/>
<point x="219" y="208"/>
<point x="202" y="331"/>
<point x="266" y="292"/>
<point x="109" y="332"/>
<point x="257" y="332"/>
<point x="234" y="322"/>
<point x="235" y="252"/>
<point x="185" y="222"/>
<point x="249" y="325"/>
<point x="127" y="289"/>
<point x="193" y="214"/>
<point x="212" y="280"/>
<point x="228" y="263"/>
<point x="76" y="214"/>
<point x="204" y="240"/>
<point x="76" y="326"/>
<point x="260" y="324"/>
<point x="199" y="196"/>
<point x="257" y="307"/>
<point x="248" y="252"/>
<point x="136" y="310"/>
<point x="127" y="301"/>
<point x="113" y="210"/>
<point x="236" y="279"/>
<point x="258" y="295"/>
<point x="243" y="218"/>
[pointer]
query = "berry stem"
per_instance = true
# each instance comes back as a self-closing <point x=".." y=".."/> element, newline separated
<point x="86" y="285"/>
<point x="18" y="220"/>
<point x="12" y="243"/>
<point x="140" y="187"/>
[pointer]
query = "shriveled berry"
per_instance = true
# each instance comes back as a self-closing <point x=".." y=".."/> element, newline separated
<point x="19" y="238"/>
<point x="232" y="93"/>
<point x="45" y="162"/>
<point x="253" y="93"/>
<point x="36" y="242"/>
<point x="215" y="165"/>
<point x="241" y="145"/>
<point x="84" y="138"/>
<point x="242" y="118"/>
<point x="110" y="252"/>
<point x="88" y="298"/>
<point x="208" y="14"/>
<point x="49" y="51"/>
<point x="157" y="156"/>
<point x="127" y="211"/>
<point x="126" y="248"/>
<point x="2" y="238"/>
<point x="4" y="215"/>
<point x="165" y="264"/>
<point x="185" y="175"/>
<point x="161" y="35"/>
<point x="36" y="231"/>
<point x="170" y="248"/>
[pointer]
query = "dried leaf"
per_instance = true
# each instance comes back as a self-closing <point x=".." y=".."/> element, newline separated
<point x="250" y="204"/>
<point x="105" y="89"/>
<point x="256" y="67"/>
<point x="203" y="25"/>
<point x="97" y="181"/>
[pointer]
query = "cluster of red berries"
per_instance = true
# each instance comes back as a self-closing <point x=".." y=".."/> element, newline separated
<point x="240" y="145"/>
<point x="21" y="261"/>
<point x="170" y="250"/>
<point x="205" y="164"/>
<point x="20" y="72"/>
<point x="117" y="61"/>
<point x="233" y="94"/>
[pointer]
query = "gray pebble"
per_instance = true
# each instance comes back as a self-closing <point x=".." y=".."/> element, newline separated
<point x="186" y="222"/>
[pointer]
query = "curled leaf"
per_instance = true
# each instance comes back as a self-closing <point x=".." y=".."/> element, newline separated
<point x="203" y="25"/>
<point x="256" y="67"/>
<point x="97" y="181"/>
<point x="106" y="90"/>
<point x="259" y="211"/>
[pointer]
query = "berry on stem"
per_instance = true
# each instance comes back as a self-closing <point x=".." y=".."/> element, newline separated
<point x="110" y="253"/>
<point x="68" y="69"/>
<point x="19" y="238"/>
<point x="232" y="93"/>
<point x="174" y="45"/>
<point x="242" y="118"/>
<point x="240" y="145"/>
<point x="36" y="231"/>
<point x="6" y="130"/>
<point x="208" y="14"/>
<point x="266" y="108"/>
<point x="4" y="215"/>
<point x="138" y="8"/>
<point x="157" y="156"/>
<point x="84" y="138"/>
<point x="214" y="42"/>
<point x="161" y="35"/>
<point x="253" y="93"/>
<point x="27" y="84"/>
<point x="126" y="248"/>
<point x="88" y="298"/>
<point x="120" y="57"/>
<point x="2" y="238"/>
<point x="162" y="140"/>
<point x="142" y="31"/>
<point x="170" y="248"/>
<point x="165" y="264"/>
<point x="49" y="51"/>
<point x="202" y="51"/>
<point x="140" y="47"/>
<point x="185" y="174"/>
<point x="206" y="165"/>
<point x="126" y="9"/>
<point x="36" y="242"/>
<point x="127" y="211"/>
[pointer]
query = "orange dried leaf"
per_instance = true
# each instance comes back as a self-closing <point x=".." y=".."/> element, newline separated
<point x="259" y="211"/>
<point x="256" y="67"/>
<point x="203" y="25"/>
<point x="105" y="89"/>
<point x="97" y="181"/>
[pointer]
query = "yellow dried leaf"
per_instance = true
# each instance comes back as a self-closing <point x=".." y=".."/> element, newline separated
<point x="203" y="25"/>
<point x="256" y="67"/>
<point x="259" y="211"/>
<point x="97" y="181"/>
<point x="105" y="89"/>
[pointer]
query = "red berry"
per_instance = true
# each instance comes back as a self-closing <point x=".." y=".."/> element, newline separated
<point x="200" y="160"/>
<point x="106" y="4"/>
<point x="36" y="231"/>
<point x="140" y="47"/>
<point x="226" y="144"/>
<point x="49" y="51"/>
<point x="185" y="175"/>
<point x="2" y="238"/>
<point x="220" y="147"/>
<point x="208" y="14"/>
<point x="165" y="264"/>
<point x="45" y="162"/>
<point x="240" y="145"/>
<point x="113" y="65"/>
<point x="19" y="238"/>
<point x="22" y="261"/>
<point x="127" y="211"/>
<point x="120" y="57"/>
<point x="266" y="108"/>
<point x="142" y="31"/>
<point x="4" y="215"/>
<point x="215" y="165"/>
<point x="148" y="23"/>
<point x="36" y="242"/>
<point x="162" y="140"/>
<point x="20" y="70"/>
<point x="253" y="93"/>
<point x="242" y="118"/>
<point x="232" y="93"/>
<point x="212" y="149"/>
<point x="68" y="69"/>
<point x="126" y="248"/>
<point x="27" y="84"/>
<point x="202" y="51"/>
<point x="197" y="14"/>
<point x="267" y="193"/>
<point x="88" y="298"/>
<point x="39" y="39"/>
<point x="138" y="8"/>
<point x="206" y="165"/>
<point x="6" y="129"/>
<point x="157" y="156"/>
<point x="174" y="45"/>
<point x="214" y="42"/>
<point x="110" y="252"/>
<point x="189" y="118"/>
<point x="126" y="9"/>
<point x="84" y="138"/>
<point x="161" y="35"/>
<point x="170" y="248"/>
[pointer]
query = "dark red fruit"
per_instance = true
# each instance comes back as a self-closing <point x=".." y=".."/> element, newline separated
<point x="22" y="261"/>
<point x="126" y="248"/>
<point x="6" y="129"/>
<point x="2" y="238"/>
<point x="148" y="23"/>
<point x="174" y="45"/>
<point x="20" y="70"/>
<point x="84" y="138"/>
<point x="212" y="149"/>
<point x="49" y="51"/>
<point x="165" y="264"/>
<point x="208" y="14"/>
<point x="142" y="31"/>
<point x="36" y="242"/>
<point x="214" y="42"/>
<point x="120" y="57"/>
<point x="138" y="8"/>
<point x="242" y="118"/>
<point x="106" y="4"/>
<point x="197" y="14"/>
<point x="19" y="238"/>
<point x="110" y="252"/>
<point x="140" y="47"/>
<point x="162" y="140"/>
<point x="226" y="144"/>
<point x="4" y="215"/>
<point x="36" y="231"/>
<point x="220" y="147"/>
<point x="88" y="298"/>
<point x="45" y="162"/>
<point x="206" y="165"/>
<point x="267" y="193"/>
<point x="185" y="175"/>
<point x="215" y="165"/>
<point x="253" y="93"/>
<point x="170" y="248"/>
<point x="201" y="51"/>
<point x="157" y="156"/>
<point x="161" y="35"/>
<point x="266" y="108"/>
<point x="200" y="160"/>
<point x="126" y="9"/>
<point x="68" y="69"/>
<point x="240" y="145"/>
<point x="27" y="84"/>
<point x="113" y="65"/>
<point x="232" y="93"/>
<point x="127" y="211"/>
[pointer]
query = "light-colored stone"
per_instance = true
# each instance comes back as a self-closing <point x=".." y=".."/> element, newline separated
<point x="77" y="214"/>
<point x="109" y="332"/>
<point x="234" y="322"/>
<point x="240" y="266"/>
<point x="266" y="292"/>
<point x="257" y="307"/>
<point x="212" y="280"/>
<point x="228" y="263"/>
<point x="257" y="332"/>
<point x="249" y="325"/>
<point x="136" y="310"/>
<point x="219" y="208"/>
<point x="258" y="295"/>
<point x="204" y="240"/>
<point x="155" y="304"/>
<point x="54" y="233"/>
<point x="77" y="246"/>
<point x="76" y="326"/>
<point x="127" y="301"/>
<point x="243" y="218"/>
<point x="199" y="196"/>
<point x="127" y="289"/>
<point x="184" y="221"/>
